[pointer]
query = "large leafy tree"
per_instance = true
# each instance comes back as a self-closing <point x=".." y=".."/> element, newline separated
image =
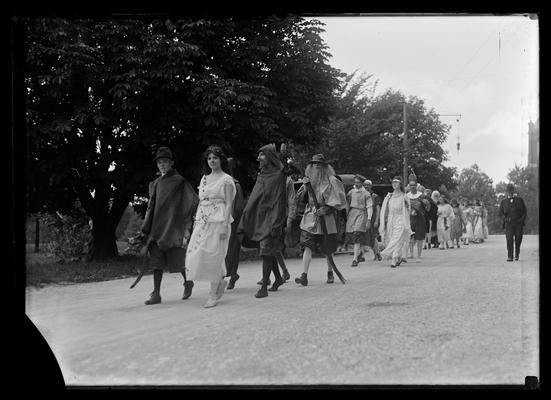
<point x="102" y="95"/>
<point x="526" y="182"/>
<point x="366" y="135"/>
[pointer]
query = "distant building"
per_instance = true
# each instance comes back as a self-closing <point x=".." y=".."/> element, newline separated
<point x="533" y="143"/>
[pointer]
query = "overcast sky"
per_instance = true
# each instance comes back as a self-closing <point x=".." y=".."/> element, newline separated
<point x="485" y="68"/>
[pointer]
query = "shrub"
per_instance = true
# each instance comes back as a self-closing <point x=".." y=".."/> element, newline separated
<point x="70" y="236"/>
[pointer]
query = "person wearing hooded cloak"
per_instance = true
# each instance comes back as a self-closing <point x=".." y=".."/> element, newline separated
<point x="264" y="216"/>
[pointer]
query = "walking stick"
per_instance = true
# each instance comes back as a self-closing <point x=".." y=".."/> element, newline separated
<point x="324" y="230"/>
<point x="142" y="264"/>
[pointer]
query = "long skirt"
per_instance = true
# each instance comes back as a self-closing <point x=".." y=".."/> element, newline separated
<point x="205" y="257"/>
<point x="478" y="231"/>
<point x="443" y="233"/>
<point x="469" y="235"/>
<point x="457" y="229"/>
<point x="396" y="240"/>
<point x="418" y="226"/>
<point x="485" y="229"/>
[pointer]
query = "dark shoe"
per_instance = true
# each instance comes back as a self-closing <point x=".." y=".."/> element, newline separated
<point x="188" y="285"/>
<point x="286" y="275"/>
<point x="516" y="258"/>
<point x="260" y="282"/>
<point x="276" y="285"/>
<point x="303" y="280"/>
<point x="510" y="259"/>
<point x="231" y="283"/>
<point x="354" y="263"/>
<point x="330" y="277"/>
<point x="361" y="259"/>
<point x="403" y="260"/>
<point x="392" y="266"/>
<point x="378" y="257"/>
<point x="262" y="292"/>
<point x="154" y="298"/>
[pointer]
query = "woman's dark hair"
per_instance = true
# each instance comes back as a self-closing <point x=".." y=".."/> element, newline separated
<point x="218" y="152"/>
<point x="454" y="202"/>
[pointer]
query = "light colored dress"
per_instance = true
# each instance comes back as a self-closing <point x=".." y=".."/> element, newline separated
<point x="485" y="222"/>
<point x="205" y="256"/>
<point x="445" y="219"/>
<point x="478" y="230"/>
<point x="395" y="229"/>
<point x="468" y="212"/>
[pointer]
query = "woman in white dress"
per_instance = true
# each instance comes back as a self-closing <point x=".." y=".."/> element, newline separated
<point x="469" y="233"/>
<point x="395" y="227"/>
<point x="208" y="245"/>
<point x="444" y="223"/>
<point x="478" y="229"/>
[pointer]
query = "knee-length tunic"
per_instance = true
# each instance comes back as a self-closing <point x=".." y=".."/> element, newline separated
<point x="395" y="227"/>
<point x="205" y="257"/>
<point x="360" y="209"/>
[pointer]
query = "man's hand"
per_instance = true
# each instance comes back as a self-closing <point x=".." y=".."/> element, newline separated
<point x="305" y="180"/>
<point x="185" y="241"/>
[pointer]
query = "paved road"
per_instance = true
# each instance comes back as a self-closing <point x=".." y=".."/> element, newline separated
<point x="462" y="316"/>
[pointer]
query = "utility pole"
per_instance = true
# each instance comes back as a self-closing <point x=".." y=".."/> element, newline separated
<point x="405" y="170"/>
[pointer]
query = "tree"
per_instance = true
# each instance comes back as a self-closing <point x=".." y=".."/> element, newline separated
<point x="366" y="135"/>
<point x="102" y="95"/>
<point x="526" y="182"/>
<point x="474" y="184"/>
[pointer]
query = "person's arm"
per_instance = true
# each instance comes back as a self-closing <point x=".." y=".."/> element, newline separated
<point x="148" y="219"/>
<point x="523" y="211"/>
<point x="369" y="207"/>
<point x="291" y="202"/>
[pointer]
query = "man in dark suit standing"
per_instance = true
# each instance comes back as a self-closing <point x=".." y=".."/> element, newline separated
<point x="512" y="211"/>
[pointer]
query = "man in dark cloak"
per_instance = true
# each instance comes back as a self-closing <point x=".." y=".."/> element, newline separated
<point x="264" y="216"/>
<point x="168" y="222"/>
<point x="512" y="211"/>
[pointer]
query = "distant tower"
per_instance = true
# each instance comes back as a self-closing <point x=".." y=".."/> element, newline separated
<point x="533" y="143"/>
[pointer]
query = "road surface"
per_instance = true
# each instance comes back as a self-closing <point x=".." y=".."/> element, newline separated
<point x="462" y="316"/>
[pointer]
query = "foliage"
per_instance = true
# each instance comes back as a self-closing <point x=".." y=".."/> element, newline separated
<point x="526" y="182"/>
<point x="103" y="94"/>
<point x="71" y="236"/>
<point x="366" y="135"/>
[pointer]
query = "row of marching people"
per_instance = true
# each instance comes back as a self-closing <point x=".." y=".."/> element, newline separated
<point x="200" y="234"/>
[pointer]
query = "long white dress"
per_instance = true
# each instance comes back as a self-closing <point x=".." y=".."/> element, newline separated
<point x="478" y="229"/>
<point x="205" y="256"/>
<point x="395" y="230"/>
<point x="445" y="219"/>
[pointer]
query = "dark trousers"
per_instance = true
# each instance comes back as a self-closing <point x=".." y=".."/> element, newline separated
<point x="232" y="256"/>
<point x="513" y="235"/>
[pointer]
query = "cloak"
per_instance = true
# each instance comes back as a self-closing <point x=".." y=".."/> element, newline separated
<point x="172" y="204"/>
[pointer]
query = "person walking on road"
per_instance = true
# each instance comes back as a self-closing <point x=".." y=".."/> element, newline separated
<point x="512" y="211"/>
<point x="432" y="218"/>
<point x="359" y="210"/>
<point x="395" y="229"/>
<point x="443" y="226"/>
<point x="264" y="216"/>
<point x="234" y="245"/>
<point x="373" y="233"/>
<point x="478" y="227"/>
<point x="167" y="223"/>
<point x="419" y="207"/>
<point x="208" y="245"/>
<point x="468" y="212"/>
<point x="484" y="219"/>
<point x="457" y="224"/>
<point x="331" y="197"/>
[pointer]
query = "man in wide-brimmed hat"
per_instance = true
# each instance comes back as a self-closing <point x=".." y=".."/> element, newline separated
<point x="168" y="221"/>
<point x="331" y="197"/>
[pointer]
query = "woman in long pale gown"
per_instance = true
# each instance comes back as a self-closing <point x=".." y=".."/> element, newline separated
<point x="478" y="229"/>
<point x="208" y="245"/>
<point x="484" y="219"/>
<point x="444" y="223"/>
<point x="395" y="227"/>
<point x="468" y="213"/>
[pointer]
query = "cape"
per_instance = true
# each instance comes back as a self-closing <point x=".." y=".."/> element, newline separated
<point x="266" y="209"/>
<point x="172" y="204"/>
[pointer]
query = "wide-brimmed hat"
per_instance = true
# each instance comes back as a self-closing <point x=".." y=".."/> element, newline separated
<point x="163" y="152"/>
<point x="318" y="158"/>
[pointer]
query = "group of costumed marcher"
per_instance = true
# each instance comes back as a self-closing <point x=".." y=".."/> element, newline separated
<point x="201" y="235"/>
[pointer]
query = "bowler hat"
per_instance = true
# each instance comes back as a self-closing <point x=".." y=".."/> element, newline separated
<point x="163" y="152"/>
<point x="318" y="158"/>
<point x="510" y="187"/>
